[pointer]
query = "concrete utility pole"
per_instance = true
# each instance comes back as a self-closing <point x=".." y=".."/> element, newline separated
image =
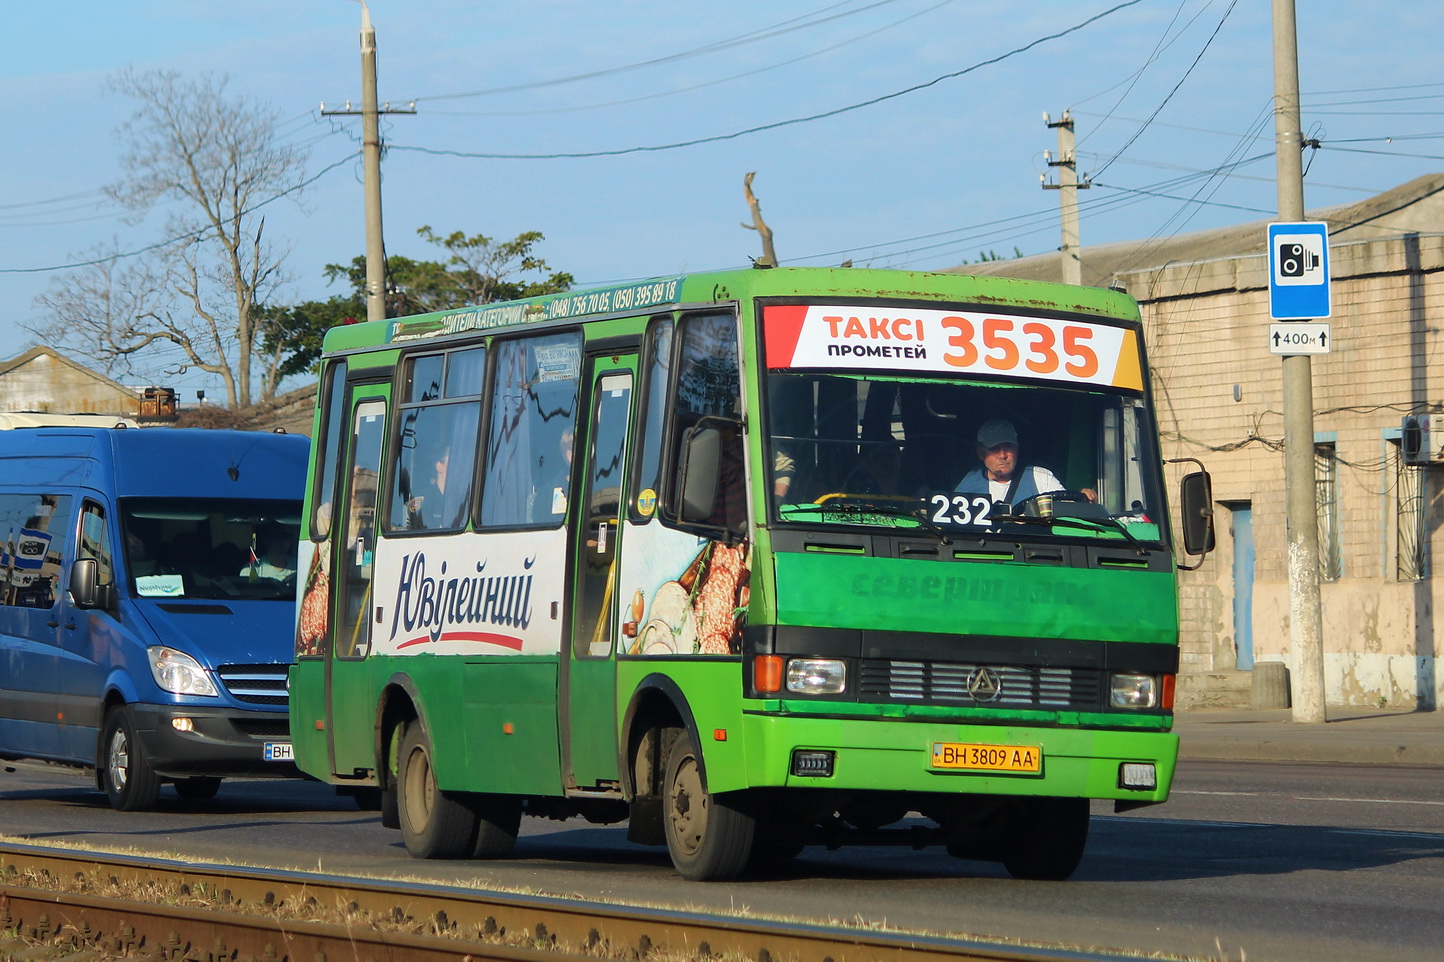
<point x="371" y="167"/>
<point x="1305" y="619"/>
<point x="1068" y="186"/>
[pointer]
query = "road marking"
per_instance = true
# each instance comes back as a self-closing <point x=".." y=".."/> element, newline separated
<point x="1161" y="820"/>
<point x="1317" y="798"/>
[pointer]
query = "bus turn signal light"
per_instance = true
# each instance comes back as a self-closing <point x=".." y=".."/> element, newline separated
<point x="767" y="674"/>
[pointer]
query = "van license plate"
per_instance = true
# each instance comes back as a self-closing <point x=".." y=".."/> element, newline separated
<point x="280" y="752"/>
<point x="1027" y="759"/>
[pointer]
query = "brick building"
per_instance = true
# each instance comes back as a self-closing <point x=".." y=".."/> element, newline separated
<point x="1219" y="394"/>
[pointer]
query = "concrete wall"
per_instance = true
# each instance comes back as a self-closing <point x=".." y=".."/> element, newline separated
<point x="1207" y="325"/>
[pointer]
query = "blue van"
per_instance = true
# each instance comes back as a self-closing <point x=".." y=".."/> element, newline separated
<point x="147" y="602"/>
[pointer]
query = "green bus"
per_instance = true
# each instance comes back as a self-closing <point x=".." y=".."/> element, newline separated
<point x="707" y="554"/>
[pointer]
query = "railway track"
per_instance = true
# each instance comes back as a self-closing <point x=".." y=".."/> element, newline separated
<point x="94" y="906"/>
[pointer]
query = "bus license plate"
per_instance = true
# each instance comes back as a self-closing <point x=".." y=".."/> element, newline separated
<point x="1027" y="759"/>
<point x="279" y="752"/>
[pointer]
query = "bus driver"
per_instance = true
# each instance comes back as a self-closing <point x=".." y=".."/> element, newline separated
<point x="999" y="478"/>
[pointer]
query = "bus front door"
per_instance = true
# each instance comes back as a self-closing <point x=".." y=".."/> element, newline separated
<point x="350" y="720"/>
<point x="589" y="721"/>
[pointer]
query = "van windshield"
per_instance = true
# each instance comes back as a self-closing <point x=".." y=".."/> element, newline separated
<point x="211" y="548"/>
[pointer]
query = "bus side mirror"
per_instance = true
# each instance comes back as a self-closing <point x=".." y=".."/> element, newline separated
<point x="1196" y="500"/>
<point x="697" y="473"/>
<point x="85" y="586"/>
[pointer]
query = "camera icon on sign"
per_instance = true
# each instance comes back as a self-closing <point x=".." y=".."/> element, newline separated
<point x="1294" y="260"/>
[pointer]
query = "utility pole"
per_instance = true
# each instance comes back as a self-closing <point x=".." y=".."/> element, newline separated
<point x="1305" y="619"/>
<point x="1068" y="186"/>
<point x="371" y="167"/>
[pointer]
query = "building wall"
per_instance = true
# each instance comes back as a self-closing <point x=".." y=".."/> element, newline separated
<point x="1207" y="325"/>
<point x="49" y="384"/>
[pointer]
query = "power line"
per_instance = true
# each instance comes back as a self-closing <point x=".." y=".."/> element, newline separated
<point x="764" y="33"/>
<point x="781" y="123"/>
<point x="697" y="86"/>
<point x="191" y="235"/>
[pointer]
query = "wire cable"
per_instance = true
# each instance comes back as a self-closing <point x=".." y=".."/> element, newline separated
<point x="777" y="124"/>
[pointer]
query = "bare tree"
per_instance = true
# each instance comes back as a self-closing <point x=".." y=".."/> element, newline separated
<point x="214" y="160"/>
<point x="769" y="253"/>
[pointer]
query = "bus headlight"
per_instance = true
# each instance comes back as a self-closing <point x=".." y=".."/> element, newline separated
<point x="178" y="672"/>
<point x="1133" y="691"/>
<point x="816" y="676"/>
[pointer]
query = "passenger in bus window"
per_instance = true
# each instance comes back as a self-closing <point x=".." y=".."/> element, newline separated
<point x="549" y="495"/>
<point x="427" y="506"/>
<point x="1002" y="477"/>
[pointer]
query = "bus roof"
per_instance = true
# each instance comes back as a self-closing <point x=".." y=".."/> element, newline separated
<point x="664" y="293"/>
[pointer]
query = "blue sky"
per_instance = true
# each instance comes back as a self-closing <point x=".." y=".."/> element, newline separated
<point x="1162" y="91"/>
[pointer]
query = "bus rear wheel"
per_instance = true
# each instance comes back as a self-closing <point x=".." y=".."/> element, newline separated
<point x="1047" y="838"/>
<point x="709" y="838"/>
<point x="434" y="823"/>
<point x="131" y="784"/>
<point x="498" y="817"/>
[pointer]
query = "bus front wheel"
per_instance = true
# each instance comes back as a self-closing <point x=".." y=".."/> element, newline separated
<point x="708" y="838"/>
<point x="131" y="784"/>
<point x="434" y="823"/>
<point x="1047" y="837"/>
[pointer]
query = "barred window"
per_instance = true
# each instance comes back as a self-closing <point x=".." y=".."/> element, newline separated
<point x="1326" y="504"/>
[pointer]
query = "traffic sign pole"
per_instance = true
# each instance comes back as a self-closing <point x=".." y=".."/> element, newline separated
<point x="1305" y="612"/>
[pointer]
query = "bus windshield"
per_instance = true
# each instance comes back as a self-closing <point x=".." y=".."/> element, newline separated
<point x="887" y="451"/>
<point x="211" y="548"/>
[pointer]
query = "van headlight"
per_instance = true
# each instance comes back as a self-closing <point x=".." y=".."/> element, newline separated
<point x="178" y="672"/>
<point x="1133" y="691"/>
<point x="816" y="676"/>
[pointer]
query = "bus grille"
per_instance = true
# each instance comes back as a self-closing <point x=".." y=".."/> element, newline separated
<point x="256" y="684"/>
<point x="941" y="683"/>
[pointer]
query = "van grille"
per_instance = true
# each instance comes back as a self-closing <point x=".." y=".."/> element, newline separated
<point x="943" y="683"/>
<point x="256" y="684"/>
<point x="263" y="727"/>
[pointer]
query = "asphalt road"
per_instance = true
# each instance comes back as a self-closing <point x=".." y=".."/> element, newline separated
<point x="1263" y="861"/>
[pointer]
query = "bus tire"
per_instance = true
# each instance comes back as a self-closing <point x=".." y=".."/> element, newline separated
<point x="434" y="823"/>
<point x="1048" y="836"/>
<point x="198" y="789"/>
<point x="498" y="818"/>
<point x="709" y="838"/>
<point x="131" y="784"/>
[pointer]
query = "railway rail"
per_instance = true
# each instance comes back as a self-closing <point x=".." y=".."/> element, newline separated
<point x="91" y="906"/>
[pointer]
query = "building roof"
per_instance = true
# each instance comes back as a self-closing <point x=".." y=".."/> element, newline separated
<point x="1416" y="207"/>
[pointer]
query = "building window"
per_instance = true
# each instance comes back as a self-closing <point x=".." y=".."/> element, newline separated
<point x="1326" y="506"/>
<point x="1410" y="543"/>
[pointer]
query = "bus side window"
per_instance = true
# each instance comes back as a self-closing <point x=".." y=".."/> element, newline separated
<point x="332" y="428"/>
<point x="708" y="396"/>
<point x="657" y="361"/>
<point x="435" y="460"/>
<point x="529" y="440"/>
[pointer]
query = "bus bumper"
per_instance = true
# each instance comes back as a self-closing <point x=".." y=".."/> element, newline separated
<point x="872" y="755"/>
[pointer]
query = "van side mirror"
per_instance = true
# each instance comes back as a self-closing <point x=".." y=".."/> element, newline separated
<point x="697" y="473"/>
<point x="85" y="586"/>
<point x="1196" y="507"/>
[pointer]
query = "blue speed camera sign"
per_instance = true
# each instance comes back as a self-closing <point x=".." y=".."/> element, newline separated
<point x="1299" y="271"/>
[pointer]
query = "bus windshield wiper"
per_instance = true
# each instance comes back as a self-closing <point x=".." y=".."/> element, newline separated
<point x="861" y="506"/>
<point x="1092" y="524"/>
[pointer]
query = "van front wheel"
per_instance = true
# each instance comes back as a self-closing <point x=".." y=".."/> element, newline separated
<point x="131" y="783"/>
